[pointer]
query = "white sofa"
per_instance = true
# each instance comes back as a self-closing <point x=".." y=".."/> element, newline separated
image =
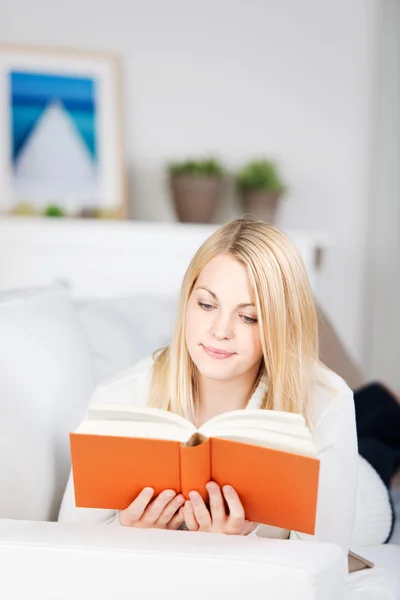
<point x="53" y="560"/>
<point x="54" y="349"/>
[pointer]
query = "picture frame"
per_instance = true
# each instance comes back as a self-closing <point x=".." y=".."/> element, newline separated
<point x="61" y="146"/>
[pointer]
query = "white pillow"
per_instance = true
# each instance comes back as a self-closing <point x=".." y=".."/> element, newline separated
<point x="46" y="382"/>
<point x="121" y="331"/>
<point x="373" y="515"/>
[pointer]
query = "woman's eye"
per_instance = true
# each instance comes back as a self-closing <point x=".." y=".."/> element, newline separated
<point x="249" y="320"/>
<point x="205" y="306"/>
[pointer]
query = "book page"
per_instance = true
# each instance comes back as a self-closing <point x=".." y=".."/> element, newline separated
<point x="284" y="419"/>
<point x="273" y="429"/>
<point x="135" y="421"/>
<point x="133" y="429"/>
<point x="270" y="439"/>
<point x="121" y="412"/>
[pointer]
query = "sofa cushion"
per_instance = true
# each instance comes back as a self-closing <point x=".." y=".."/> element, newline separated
<point x="45" y="384"/>
<point x="121" y="331"/>
<point x="381" y="582"/>
<point x="121" y="563"/>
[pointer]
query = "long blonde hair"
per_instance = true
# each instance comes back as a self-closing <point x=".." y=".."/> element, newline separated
<point x="286" y="315"/>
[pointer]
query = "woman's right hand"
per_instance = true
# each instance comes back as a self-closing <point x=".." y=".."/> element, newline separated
<point x="164" y="512"/>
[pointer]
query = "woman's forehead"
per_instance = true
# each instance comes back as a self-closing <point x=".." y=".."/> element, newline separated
<point x="225" y="275"/>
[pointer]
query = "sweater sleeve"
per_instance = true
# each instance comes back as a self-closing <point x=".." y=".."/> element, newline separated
<point x="68" y="511"/>
<point x="336" y="439"/>
<point x="335" y="436"/>
<point x="128" y="387"/>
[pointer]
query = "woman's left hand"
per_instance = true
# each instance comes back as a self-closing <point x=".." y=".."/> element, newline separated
<point x="216" y="520"/>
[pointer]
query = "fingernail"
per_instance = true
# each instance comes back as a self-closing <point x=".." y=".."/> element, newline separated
<point x="228" y="488"/>
<point x="193" y="495"/>
<point x="211" y="485"/>
<point x="180" y="498"/>
<point x="148" y="490"/>
<point x="169" y="493"/>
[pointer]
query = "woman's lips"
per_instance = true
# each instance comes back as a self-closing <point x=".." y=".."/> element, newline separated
<point x="215" y="353"/>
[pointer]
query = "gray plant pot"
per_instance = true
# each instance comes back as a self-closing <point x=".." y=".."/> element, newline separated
<point x="262" y="204"/>
<point x="195" y="198"/>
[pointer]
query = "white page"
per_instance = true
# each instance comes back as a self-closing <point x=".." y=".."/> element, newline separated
<point x="275" y="429"/>
<point x="264" y="420"/>
<point x="120" y="412"/>
<point x="261" y="415"/>
<point x="270" y="439"/>
<point x="209" y="429"/>
<point x="129" y="428"/>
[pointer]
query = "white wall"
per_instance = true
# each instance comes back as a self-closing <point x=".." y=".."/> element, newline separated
<point x="282" y="78"/>
<point x="383" y="260"/>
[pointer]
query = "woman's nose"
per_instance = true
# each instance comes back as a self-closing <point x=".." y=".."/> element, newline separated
<point x="221" y="328"/>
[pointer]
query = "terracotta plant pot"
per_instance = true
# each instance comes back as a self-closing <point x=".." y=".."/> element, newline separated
<point x="195" y="197"/>
<point x="262" y="204"/>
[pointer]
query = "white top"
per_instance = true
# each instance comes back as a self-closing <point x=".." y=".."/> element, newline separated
<point x="334" y="435"/>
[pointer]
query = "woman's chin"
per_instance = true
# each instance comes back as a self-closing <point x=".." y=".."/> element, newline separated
<point x="217" y="369"/>
<point x="216" y="374"/>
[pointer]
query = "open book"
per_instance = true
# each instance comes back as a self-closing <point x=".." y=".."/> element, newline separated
<point x="268" y="456"/>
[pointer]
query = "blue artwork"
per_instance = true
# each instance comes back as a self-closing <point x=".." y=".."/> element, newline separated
<point x="33" y="93"/>
<point x="54" y="146"/>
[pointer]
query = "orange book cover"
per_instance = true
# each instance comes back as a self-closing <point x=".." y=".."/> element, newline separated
<point x="276" y="487"/>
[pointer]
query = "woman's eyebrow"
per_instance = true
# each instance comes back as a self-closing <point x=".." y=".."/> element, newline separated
<point x="214" y="295"/>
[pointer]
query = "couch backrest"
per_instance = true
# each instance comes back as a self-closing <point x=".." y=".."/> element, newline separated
<point x="121" y="331"/>
<point x="46" y="380"/>
<point x="53" y="352"/>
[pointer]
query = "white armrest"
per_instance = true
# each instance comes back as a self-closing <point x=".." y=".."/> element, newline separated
<point x="60" y="560"/>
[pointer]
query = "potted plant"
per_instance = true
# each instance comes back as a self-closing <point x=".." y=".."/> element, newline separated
<point x="261" y="187"/>
<point x="53" y="210"/>
<point x="24" y="209"/>
<point x="196" y="187"/>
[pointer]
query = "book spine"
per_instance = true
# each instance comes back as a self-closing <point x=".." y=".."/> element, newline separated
<point x="195" y="468"/>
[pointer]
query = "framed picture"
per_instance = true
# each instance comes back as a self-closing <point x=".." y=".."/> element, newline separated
<point x="61" y="150"/>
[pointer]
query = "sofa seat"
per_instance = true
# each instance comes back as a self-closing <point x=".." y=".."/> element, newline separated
<point x="383" y="581"/>
<point x="64" y="561"/>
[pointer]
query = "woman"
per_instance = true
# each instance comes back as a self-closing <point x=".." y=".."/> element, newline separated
<point x="246" y="336"/>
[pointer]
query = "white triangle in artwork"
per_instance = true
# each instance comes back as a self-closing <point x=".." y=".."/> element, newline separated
<point x="55" y="150"/>
<point x="55" y="160"/>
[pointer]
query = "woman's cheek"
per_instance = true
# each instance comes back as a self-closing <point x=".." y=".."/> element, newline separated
<point x="193" y="323"/>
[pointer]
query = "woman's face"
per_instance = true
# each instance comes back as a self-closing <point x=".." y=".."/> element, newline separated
<point x="222" y="332"/>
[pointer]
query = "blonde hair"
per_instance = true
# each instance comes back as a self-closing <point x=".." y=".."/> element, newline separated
<point x="286" y="315"/>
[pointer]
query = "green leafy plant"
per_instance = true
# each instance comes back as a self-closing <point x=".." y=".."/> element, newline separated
<point x="54" y="211"/>
<point x="208" y="167"/>
<point x="261" y="175"/>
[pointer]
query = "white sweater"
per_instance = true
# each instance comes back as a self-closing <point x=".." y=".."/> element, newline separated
<point x="334" y="434"/>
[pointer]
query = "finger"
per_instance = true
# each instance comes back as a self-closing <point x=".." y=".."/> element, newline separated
<point x="135" y="510"/>
<point x="217" y="508"/>
<point x="201" y="511"/>
<point x="249" y="526"/>
<point x="155" y="508"/>
<point x="189" y="517"/>
<point x="236" y="516"/>
<point x="169" y="511"/>
<point x="176" y="520"/>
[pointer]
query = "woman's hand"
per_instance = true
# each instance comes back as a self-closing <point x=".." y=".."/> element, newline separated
<point x="164" y="512"/>
<point x="216" y="520"/>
